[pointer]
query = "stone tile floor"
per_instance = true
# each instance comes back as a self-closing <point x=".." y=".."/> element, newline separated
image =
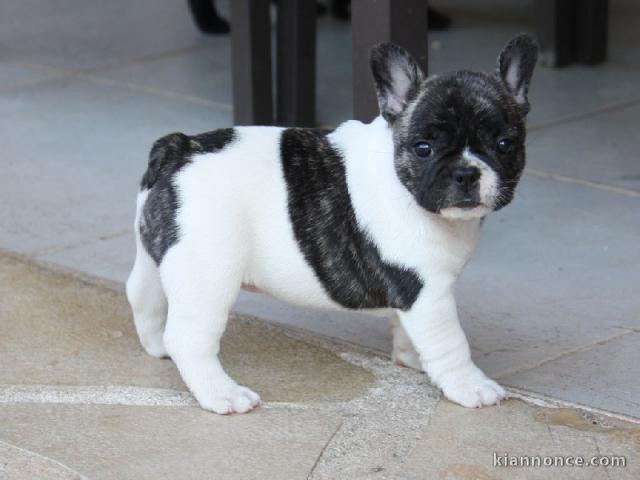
<point x="550" y="300"/>
<point x="80" y="399"/>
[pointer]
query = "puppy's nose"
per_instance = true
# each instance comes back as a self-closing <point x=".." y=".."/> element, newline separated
<point x="466" y="177"/>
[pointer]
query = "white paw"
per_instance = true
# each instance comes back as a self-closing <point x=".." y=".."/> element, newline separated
<point x="154" y="346"/>
<point x="471" y="388"/>
<point x="231" y="399"/>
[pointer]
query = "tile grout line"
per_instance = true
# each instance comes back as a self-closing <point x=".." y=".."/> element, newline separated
<point x="150" y="58"/>
<point x="117" y="395"/>
<point x="45" y="458"/>
<point x="576" y="117"/>
<point x="324" y="449"/>
<point x="47" y="68"/>
<point x="93" y="76"/>
<point x="118" y="63"/>
<point x="32" y="83"/>
<point x="164" y="397"/>
<point x="579" y="181"/>
<point x="580" y="349"/>
<point x="156" y="91"/>
<point x="80" y="243"/>
<point x="541" y="400"/>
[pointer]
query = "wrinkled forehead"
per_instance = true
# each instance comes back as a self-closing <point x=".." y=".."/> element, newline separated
<point x="462" y="101"/>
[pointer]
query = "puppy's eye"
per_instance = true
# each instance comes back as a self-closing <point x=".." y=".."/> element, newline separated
<point x="422" y="149"/>
<point x="505" y="145"/>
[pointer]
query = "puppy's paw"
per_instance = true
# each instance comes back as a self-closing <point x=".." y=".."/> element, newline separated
<point x="471" y="388"/>
<point x="231" y="399"/>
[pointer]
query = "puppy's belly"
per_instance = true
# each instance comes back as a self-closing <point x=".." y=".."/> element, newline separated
<point x="322" y="304"/>
<point x="291" y="279"/>
<point x="299" y="298"/>
<point x="285" y="275"/>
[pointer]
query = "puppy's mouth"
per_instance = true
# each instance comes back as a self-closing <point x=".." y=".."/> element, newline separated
<point x="465" y="209"/>
<point x="467" y="204"/>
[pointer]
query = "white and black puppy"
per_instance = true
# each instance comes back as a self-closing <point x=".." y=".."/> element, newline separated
<point x="373" y="217"/>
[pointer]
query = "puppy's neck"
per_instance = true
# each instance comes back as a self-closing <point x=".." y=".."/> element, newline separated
<point x="367" y="143"/>
<point x="382" y="204"/>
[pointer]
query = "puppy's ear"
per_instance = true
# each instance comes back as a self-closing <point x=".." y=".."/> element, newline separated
<point x="515" y="67"/>
<point x="397" y="78"/>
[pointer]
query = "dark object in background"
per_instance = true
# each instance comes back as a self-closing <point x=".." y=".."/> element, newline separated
<point x="251" y="59"/>
<point x="572" y="31"/>
<point x="206" y="17"/>
<point x="401" y="22"/>
<point x="208" y="20"/>
<point x="251" y="62"/>
<point x="436" y="20"/>
<point x="296" y="63"/>
<point x="404" y="23"/>
<point x="341" y="9"/>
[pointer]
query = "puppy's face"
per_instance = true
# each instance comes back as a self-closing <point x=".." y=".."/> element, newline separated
<point x="459" y="137"/>
<point x="460" y="147"/>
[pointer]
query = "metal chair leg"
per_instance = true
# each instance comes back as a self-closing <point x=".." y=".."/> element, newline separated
<point x="375" y="21"/>
<point x="251" y="62"/>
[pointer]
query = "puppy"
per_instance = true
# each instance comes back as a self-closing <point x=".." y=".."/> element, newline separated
<point x="373" y="217"/>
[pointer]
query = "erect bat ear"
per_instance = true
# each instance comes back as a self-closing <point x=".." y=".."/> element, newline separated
<point x="397" y="78"/>
<point x="515" y="66"/>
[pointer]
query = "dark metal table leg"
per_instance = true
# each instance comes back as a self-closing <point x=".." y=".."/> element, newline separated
<point x="592" y="18"/>
<point x="572" y="31"/>
<point x="374" y="21"/>
<point x="296" y="63"/>
<point x="555" y="31"/>
<point x="251" y="62"/>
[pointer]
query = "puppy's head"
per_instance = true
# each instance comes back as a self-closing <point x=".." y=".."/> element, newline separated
<point x="458" y="137"/>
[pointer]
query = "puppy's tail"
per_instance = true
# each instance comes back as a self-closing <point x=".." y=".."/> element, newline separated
<point x="168" y="154"/>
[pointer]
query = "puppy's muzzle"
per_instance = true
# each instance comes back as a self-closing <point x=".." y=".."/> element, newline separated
<point x="466" y="182"/>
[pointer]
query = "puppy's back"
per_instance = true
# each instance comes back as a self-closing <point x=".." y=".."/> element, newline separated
<point x="172" y="152"/>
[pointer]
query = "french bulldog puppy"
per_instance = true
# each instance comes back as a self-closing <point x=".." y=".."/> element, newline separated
<point x="372" y="217"/>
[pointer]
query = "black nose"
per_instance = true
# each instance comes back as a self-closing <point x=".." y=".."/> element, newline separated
<point x="466" y="177"/>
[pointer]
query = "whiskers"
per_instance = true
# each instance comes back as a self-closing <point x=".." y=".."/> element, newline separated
<point x="506" y="193"/>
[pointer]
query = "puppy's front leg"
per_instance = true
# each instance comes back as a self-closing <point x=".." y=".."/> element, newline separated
<point x="433" y="327"/>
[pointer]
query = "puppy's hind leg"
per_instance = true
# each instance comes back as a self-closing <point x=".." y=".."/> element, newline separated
<point x="201" y="291"/>
<point x="148" y="301"/>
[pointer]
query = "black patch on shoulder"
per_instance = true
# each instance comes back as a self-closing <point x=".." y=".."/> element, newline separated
<point x="158" y="228"/>
<point x="343" y="257"/>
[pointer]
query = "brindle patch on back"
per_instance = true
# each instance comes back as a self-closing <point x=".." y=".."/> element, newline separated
<point x="342" y="255"/>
